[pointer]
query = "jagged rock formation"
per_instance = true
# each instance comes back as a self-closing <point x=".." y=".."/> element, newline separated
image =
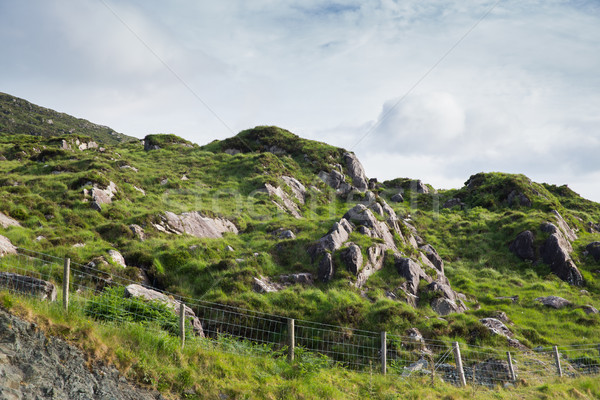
<point x="523" y="246"/>
<point x="135" y="290"/>
<point x="266" y="285"/>
<point x="195" y="224"/>
<point x="34" y="366"/>
<point x="6" y="247"/>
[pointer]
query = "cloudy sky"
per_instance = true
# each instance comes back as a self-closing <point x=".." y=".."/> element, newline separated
<point x="436" y="90"/>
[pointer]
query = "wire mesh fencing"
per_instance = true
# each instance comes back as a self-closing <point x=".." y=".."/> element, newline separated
<point x="116" y="299"/>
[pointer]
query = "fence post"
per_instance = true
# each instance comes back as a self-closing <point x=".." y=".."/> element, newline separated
<point x="511" y="369"/>
<point x="557" y="360"/>
<point x="182" y="324"/>
<point x="66" y="276"/>
<point x="383" y="352"/>
<point x="291" y="339"/>
<point x="459" y="366"/>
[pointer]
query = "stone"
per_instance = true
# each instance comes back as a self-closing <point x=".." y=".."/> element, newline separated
<point x="296" y="187"/>
<point x="518" y="199"/>
<point x="356" y="172"/>
<point x="565" y="228"/>
<point x="352" y="257"/>
<point x="377" y="209"/>
<point x="135" y="290"/>
<point x="117" y="258"/>
<point x="554" y="301"/>
<point x="287" y="234"/>
<point x="593" y="250"/>
<point x="229" y="248"/>
<point x="94" y="205"/>
<point x="373" y="184"/>
<point x="419" y="187"/>
<point x="325" y="269"/>
<point x="523" y="247"/>
<point x="450" y="203"/>
<point x="195" y="224"/>
<point x="497" y="327"/>
<point x="419" y="365"/>
<point x="303" y="278"/>
<point x="39" y="288"/>
<point x="413" y="273"/>
<point x="589" y="309"/>
<point x="6" y="221"/>
<point x="443" y="306"/>
<point x="333" y="179"/>
<point x="137" y="231"/>
<point x="447" y="300"/>
<point x="397" y="198"/>
<point x="288" y="205"/>
<point x="555" y="252"/>
<point x="264" y="285"/>
<point x="338" y="235"/>
<point x="104" y="196"/>
<point x="6" y="247"/>
<point x="361" y="215"/>
<point x="501" y="315"/>
<point x="433" y="256"/>
<point x="375" y="258"/>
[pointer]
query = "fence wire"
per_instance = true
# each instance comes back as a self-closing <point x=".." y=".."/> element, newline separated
<point x="101" y="295"/>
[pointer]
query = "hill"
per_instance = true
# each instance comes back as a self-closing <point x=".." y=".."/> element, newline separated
<point x="272" y="222"/>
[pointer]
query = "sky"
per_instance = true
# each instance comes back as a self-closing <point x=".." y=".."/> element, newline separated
<point x="435" y="90"/>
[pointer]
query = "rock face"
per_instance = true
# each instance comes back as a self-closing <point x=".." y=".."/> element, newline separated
<point x="137" y="231"/>
<point x="433" y="256"/>
<point x="413" y="273"/>
<point x="594" y="250"/>
<point x="135" y="290"/>
<point x="6" y="221"/>
<point x="297" y="188"/>
<point x="356" y="172"/>
<point x="34" y="366"/>
<point x="325" y="270"/>
<point x="453" y="203"/>
<point x="6" y="247"/>
<point x="195" y="224"/>
<point x="523" y="246"/>
<point x="497" y="327"/>
<point x="287" y="204"/>
<point x="39" y="288"/>
<point x="564" y="227"/>
<point x="518" y="199"/>
<point x="556" y="253"/>
<point x="352" y="257"/>
<point x="553" y="301"/>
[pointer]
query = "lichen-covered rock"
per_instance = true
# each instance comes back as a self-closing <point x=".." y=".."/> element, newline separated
<point x="39" y="288"/>
<point x="554" y="301"/>
<point x="497" y="327"/>
<point x="523" y="246"/>
<point x="556" y="253"/>
<point x="117" y="258"/>
<point x="195" y="224"/>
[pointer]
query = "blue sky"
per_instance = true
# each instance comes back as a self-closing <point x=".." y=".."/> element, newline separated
<point x="436" y="90"/>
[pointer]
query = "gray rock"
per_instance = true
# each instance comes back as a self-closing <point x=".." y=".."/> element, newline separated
<point x="297" y="188"/>
<point x="443" y="306"/>
<point x="137" y="231"/>
<point x="594" y="250"/>
<point x="287" y="234"/>
<point x="419" y="187"/>
<point x="352" y="257"/>
<point x="523" y="247"/>
<point x="417" y="366"/>
<point x="412" y="272"/>
<point x="497" y="327"/>
<point x="303" y="278"/>
<point x="397" y="198"/>
<point x="447" y="300"/>
<point x="195" y="224"/>
<point x="135" y="290"/>
<point x="6" y="221"/>
<point x="338" y="235"/>
<point x="501" y="315"/>
<point x="453" y="203"/>
<point x="375" y="258"/>
<point x="288" y="204"/>
<point x="356" y="172"/>
<point x="361" y="215"/>
<point x="377" y="209"/>
<point x="566" y="229"/>
<point x="518" y="199"/>
<point x="333" y="179"/>
<point x="555" y="252"/>
<point x="94" y="205"/>
<point x="589" y="309"/>
<point x="433" y="256"/>
<point x="39" y="288"/>
<point x="325" y="270"/>
<point x="104" y="196"/>
<point x="117" y="258"/>
<point x="264" y="285"/>
<point x="6" y="247"/>
<point x="554" y="301"/>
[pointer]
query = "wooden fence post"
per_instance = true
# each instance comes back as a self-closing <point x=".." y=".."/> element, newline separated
<point x="291" y="339"/>
<point x="383" y="352"/>
<point x="182" y="324"/>
<point x="66" y="278"/>
<point x="511" y="369"/>
<point x="459" y="365"/>
<point x="557" y="360"/>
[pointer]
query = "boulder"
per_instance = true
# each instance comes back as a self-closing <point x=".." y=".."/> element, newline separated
<point x="453" y="203"/>
<point x="137" y="231"/>
<point x="375" y="258"/>
<point x="593" y="250"/>
<point x="117" y="258"/>
<point x="6" y="247"/>
<point x="135" y="290"/>
<point x="518" y="199"/>
<point x="325" y="269"/>
<point x="566" y="229"/>
<point x="589" y="309"/>
<point x="555" y="252"/>
<point x="264" y="285"/>
<point x="419" y="187"/>
<point x="303" y="278"/>
<point x="523" y="247"/>
<point x="413" y="273"/>
<point x="356" y="172"/>
<point x="361" y="215"/>
<point x="433" y="256"/>
<point x="288" y="205"/>
<point x="377" y="209"/>
<point x="6" y="221"/>
<point x="447" y="300"/>
<point x="286" y="234"/>
<point x="352" y="257"/>
<point x="497" y="327"/>
<point x="443" y="306"/>
<point x="554" y="301"/>
<point x="39" y="288"/>
<point x="104" y="196"/>
<point x="333" y="179"/>
<point x="334" y="240"/>
<point x="397" y="198"/>
<point x="296" y="187"/>
<point x="94" y="205"/>
<point x="195" y="224"/>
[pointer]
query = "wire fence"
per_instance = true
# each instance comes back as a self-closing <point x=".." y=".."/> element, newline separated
<point x="116" y="299"/>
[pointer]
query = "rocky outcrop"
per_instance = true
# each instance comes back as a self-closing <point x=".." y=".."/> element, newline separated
<point x="397" y="198"/>
<point x="117" y="258"/>
<point x="523" y="246"/>
<point x="450" y="203"/>
<point x="334" y="240"/>
<point x="6" y="247"/>
<point x="356" y="172"/>
<point x="556" y="253"/>
<point x="137" y="231"/>
<point x="352" y="257"/>
<point x="336" y="180"/>
<point x="135" y="290"/>
<point x="564" y="227"/>
<point x="286" y="204"/>
<point x="497" y="327"/>
<point x="433" y="256"/>
<point x="518" y="199"/>
<point x="296" y="187"/>
<point x="35" y="366"/>
<point x="102" y="196"/>
<point x="6" y="221"/>
<point x="28" y="285"/>
<point x="413" y="273"/>
<point x="268" y="285"/>
<point x="447" y="300"/>
<point x="264" y="285"/>
<point x="195" y="224"/>
<point x="325" y="269"/>
<point x="361" y="215"/>
<point x="554" y="301"/>
<point x="593" y="250"/>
